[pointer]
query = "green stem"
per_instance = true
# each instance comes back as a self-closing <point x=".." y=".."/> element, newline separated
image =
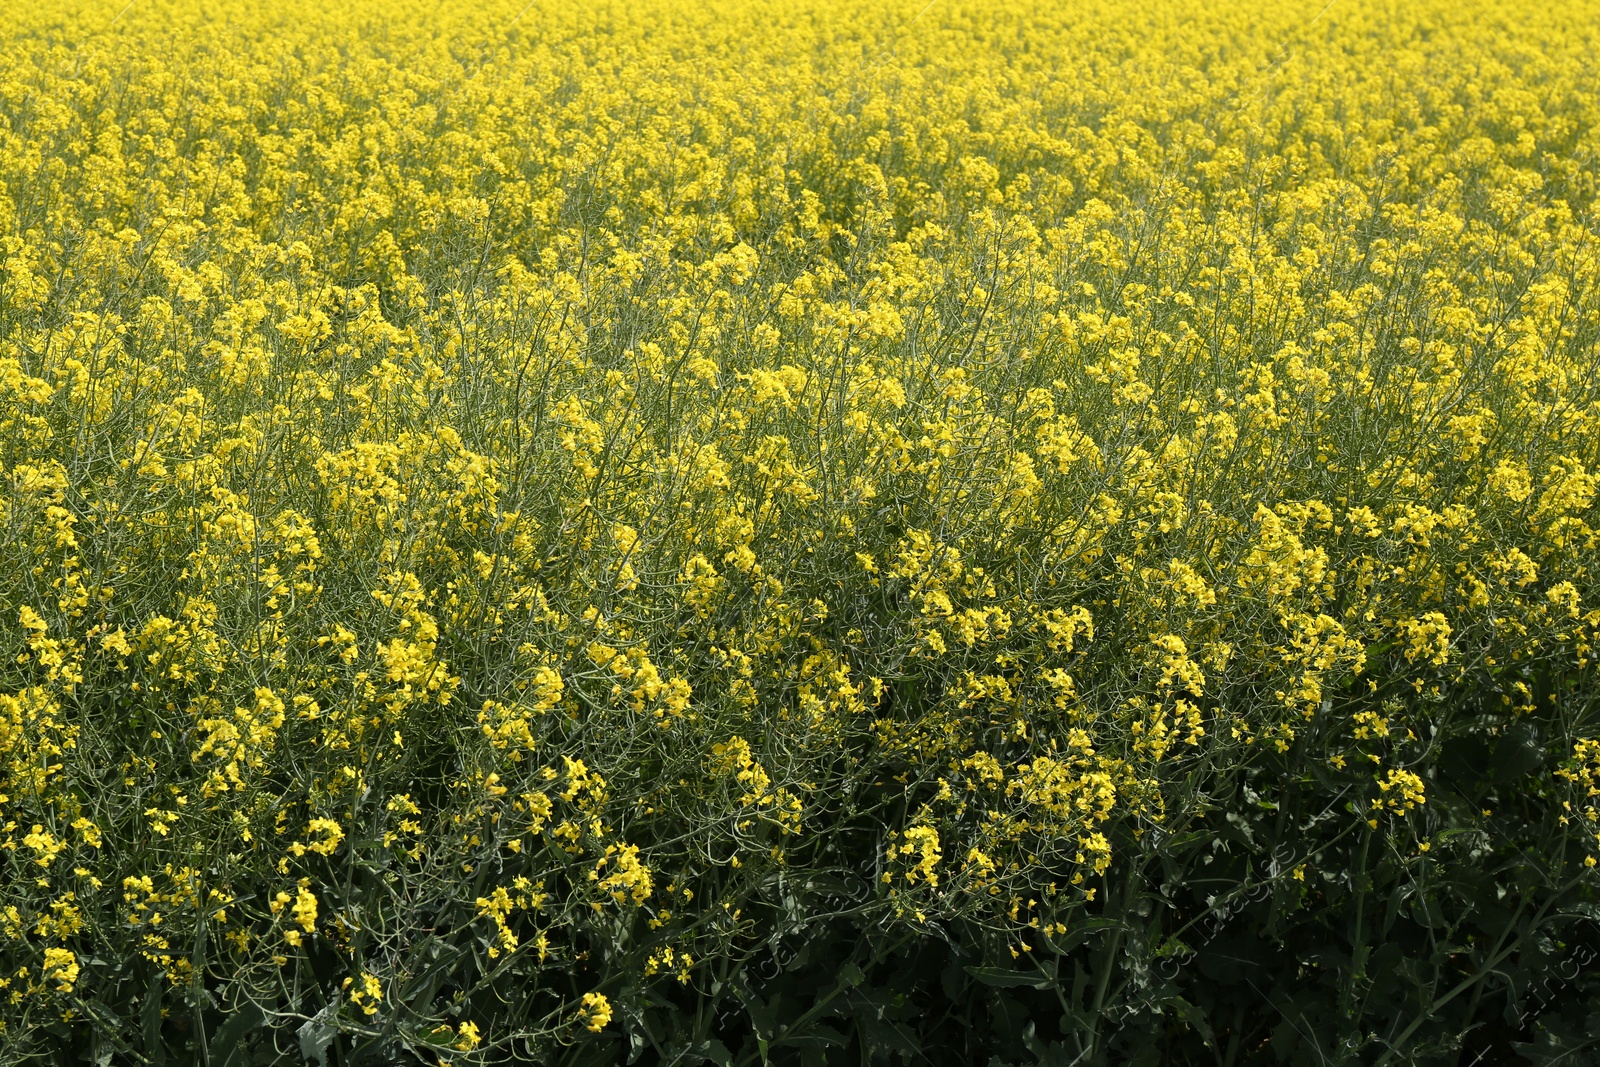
<point x="1497" y="954"/>
<point x="823" y="1002"/>
<point x="1358" y="948"/>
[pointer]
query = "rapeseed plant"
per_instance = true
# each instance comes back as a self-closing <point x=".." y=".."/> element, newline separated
<point x="516" y="507"/>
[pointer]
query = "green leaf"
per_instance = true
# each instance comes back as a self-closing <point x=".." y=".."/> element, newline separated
<point x="1081" y="932"/>
<point x="150" y="1022"/>
<point x="227" y="1047"/>
<point x="317" y="1033"/>
<point x="1195" y="1017"/>
<point x="819" y="1035"/>
<point x="1002" y="978"/>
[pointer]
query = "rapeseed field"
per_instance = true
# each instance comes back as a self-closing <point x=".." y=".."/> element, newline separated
<point x="825" y="532"/>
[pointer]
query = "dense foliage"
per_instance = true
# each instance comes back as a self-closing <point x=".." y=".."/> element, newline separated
<point x="814" y="533"/>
